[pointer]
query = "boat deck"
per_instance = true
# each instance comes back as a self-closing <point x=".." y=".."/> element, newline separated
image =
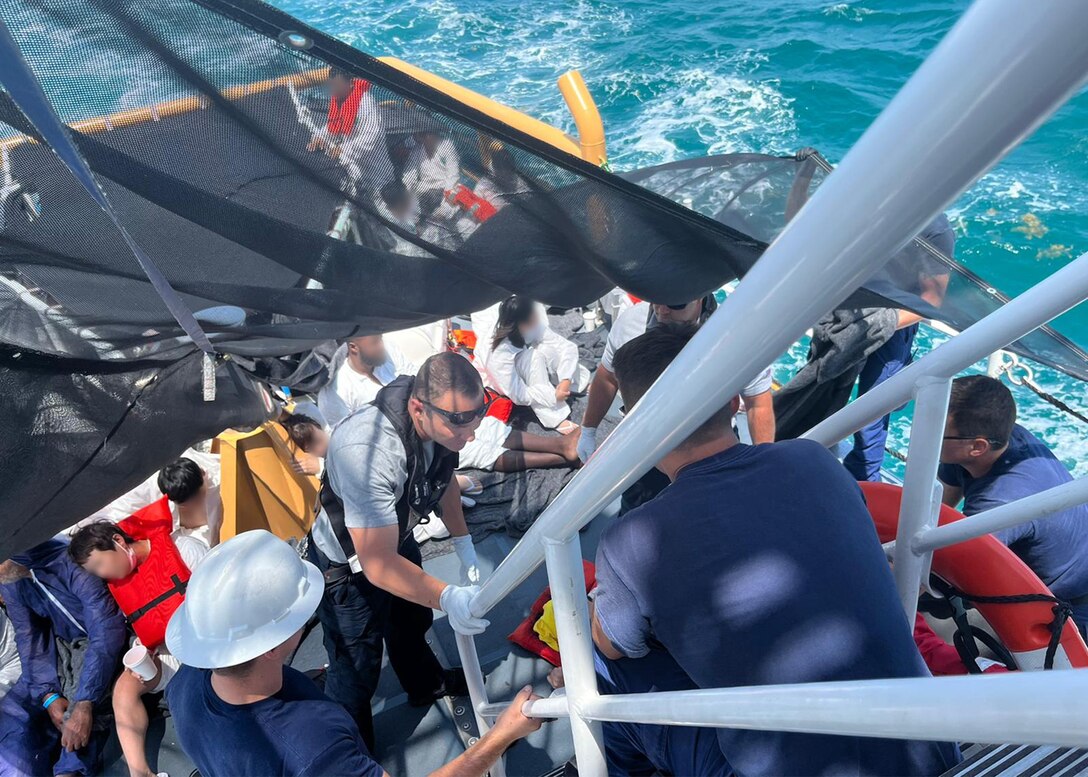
<point x="416" y="741"/>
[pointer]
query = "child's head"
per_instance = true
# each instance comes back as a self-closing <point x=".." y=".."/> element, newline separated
<point x="307" y="434"/>
<point x="182" y="480"/>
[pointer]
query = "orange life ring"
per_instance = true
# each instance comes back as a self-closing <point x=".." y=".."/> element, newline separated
<point x="985" y="567"/>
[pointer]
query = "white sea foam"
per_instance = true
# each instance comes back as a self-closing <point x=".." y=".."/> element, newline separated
<point x="847" y="11"/>
<point x="725" y="109"/>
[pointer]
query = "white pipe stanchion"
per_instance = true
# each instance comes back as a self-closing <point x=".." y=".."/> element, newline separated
<point x="994" y="78"/>
<point x="1026" y="708"/>
<point x="477" y="691"/>
<point x="921" y="502"/>
<point x="567" y="580"/>
<point x="1041" y="505"/>
<point x="1036" y="306"/>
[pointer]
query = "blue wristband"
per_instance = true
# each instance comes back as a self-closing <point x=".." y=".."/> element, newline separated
<point x="49" y="700"/>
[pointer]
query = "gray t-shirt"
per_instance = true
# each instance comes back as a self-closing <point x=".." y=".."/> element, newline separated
<point x="367" y="468"/>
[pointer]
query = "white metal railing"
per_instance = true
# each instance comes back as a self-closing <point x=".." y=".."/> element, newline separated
<point x="996" y="76"/>
<point x="1042" y="505"/>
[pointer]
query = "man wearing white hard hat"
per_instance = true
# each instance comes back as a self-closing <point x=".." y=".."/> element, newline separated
<point x="239" y="711"/>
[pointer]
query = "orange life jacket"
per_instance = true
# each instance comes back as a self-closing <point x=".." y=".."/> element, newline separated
<point x="342" y="115"/>
<point x="149" y="596"/>
<point x="473" y="204"/>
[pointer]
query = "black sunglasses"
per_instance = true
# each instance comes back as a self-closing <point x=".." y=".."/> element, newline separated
<point x="995" y="443"/>
<point x="463" y="417"/>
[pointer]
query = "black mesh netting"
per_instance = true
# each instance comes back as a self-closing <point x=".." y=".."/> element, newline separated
<point x="221" y="188"/>
<point x="283" y="223"/>
<point x="97" y="429"/>
<point x="757" y="194"/>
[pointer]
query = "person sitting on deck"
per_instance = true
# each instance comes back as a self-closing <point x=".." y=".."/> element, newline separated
<point x="632" y="322"/>
<point x="196" y="505"/>
<point x="240" y="711"/>
<point x="70" y="636"/>
<point x="433" y="166"/>
<point x="146" y="576"/>
<point x="354" y="132"/>
<point x="517" y="367"/>
<point x="784" y="581"/>
<point x="497" y="446"/>
<point x="359" y="369"/>
<point x="503" y="183"/>
<point x="398" y="208"/>
<point x="988" y="460"/>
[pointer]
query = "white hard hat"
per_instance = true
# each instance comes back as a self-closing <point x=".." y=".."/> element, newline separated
<point x="248" y="596"/>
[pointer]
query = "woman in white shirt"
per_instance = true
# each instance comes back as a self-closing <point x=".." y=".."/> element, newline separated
<point x="517" y="367"/>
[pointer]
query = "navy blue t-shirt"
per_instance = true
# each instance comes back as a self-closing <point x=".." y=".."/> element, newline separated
<point x="299" y="731"/>
<point x="760" y="565"/>
<point x="1056" y="548"/>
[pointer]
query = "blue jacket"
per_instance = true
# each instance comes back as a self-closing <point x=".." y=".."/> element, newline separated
<point x="37" y="620"/>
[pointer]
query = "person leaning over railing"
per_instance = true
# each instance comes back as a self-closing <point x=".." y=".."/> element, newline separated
<point x="758" y="565"/>
<point x="987" y="460"/>
<point x="389" y="465"/>
<point x="239" y="711"/>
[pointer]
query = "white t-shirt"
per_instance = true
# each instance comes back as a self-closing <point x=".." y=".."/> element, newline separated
<point x="631" y="323"/>
<point x="349" y="390"/>
<point x="441" y="171"/>
<point x="148" y="491"/>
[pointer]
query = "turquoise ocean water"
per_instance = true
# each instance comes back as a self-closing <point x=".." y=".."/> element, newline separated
<point x="686" y="78"/>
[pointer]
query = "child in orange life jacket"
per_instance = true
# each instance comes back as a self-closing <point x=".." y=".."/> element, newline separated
<point x="147" y="577"/>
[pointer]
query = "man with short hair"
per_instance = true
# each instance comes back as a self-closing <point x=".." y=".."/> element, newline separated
<point x="239" y="711"/>
<point x="70" y="636"/>
<point x="632" y="322"/>
<point x="784" y="581"/>
<point x="389" y="465"/>
<point x="360" y="367"/>
<point x="988" y="460"/>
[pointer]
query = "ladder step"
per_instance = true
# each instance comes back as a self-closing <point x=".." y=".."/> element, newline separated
<point x="1021" y="761"/>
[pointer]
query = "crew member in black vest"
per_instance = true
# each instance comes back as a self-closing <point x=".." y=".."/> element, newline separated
<point x="389" y="465"/>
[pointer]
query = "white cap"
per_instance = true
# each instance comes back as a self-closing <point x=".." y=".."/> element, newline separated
<point x="248" y="596"/>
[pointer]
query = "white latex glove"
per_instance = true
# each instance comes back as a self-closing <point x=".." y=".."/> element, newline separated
<point x="470" y="566"/>
<point x="587" y="443"/>
<point x="455" y="601"/>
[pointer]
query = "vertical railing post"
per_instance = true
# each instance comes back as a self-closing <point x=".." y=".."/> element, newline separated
<point x="477" y="692"/>
<point x="567" y="580"/>
<point x="920" y="505"/>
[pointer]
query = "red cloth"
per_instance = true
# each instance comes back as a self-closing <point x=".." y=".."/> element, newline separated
<point x="342" y="115"/>
<point x="524" y="636"/>
<point x="501" y="407"/>
<point x="162" y="572"/>
<point x="940" y="657"/>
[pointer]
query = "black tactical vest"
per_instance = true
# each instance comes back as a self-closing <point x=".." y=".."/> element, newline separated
<point x="425" y="485"/>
